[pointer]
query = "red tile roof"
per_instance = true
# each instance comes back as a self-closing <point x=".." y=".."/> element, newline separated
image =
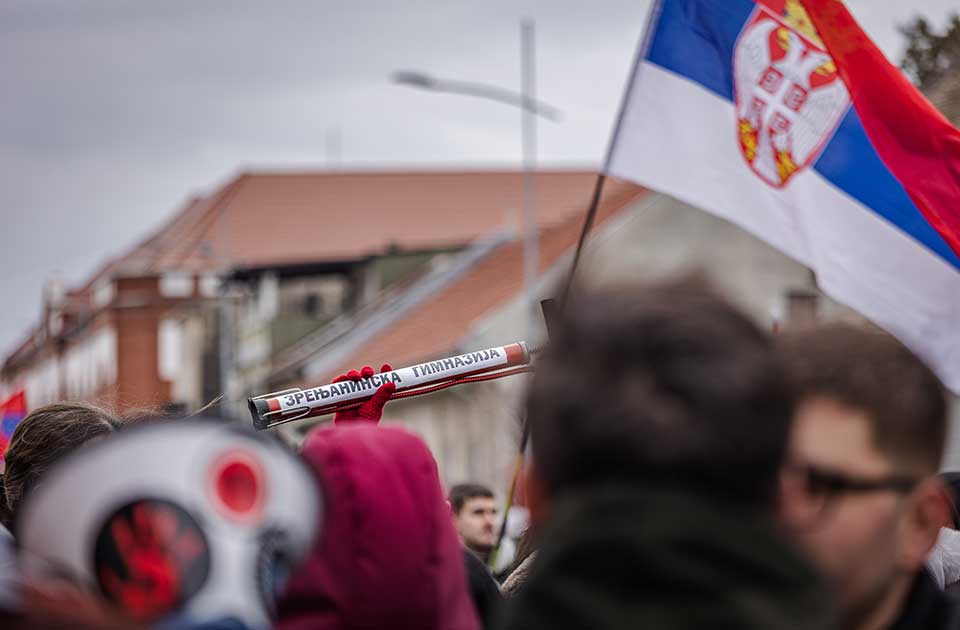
<point x="435" y="328"/>
<point x="263" y="219"/>
<point x="273" y="219"/>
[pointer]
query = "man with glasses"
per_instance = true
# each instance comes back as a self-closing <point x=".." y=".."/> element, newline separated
<point x="859" y="488"/>
<point x="659" y="419"/>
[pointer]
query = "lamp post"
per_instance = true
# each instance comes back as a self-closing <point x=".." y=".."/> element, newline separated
<point x="530" y="108"/>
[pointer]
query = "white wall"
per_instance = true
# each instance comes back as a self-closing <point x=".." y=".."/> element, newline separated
<point x="180" y="355"/>
<point x="42" y="383"/>
<point x="90" y="364"/>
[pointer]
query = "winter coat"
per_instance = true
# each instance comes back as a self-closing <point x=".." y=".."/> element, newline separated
<point x="484" y="590"/>
<point x="928" y="607"/>
<point x="944" y="560"/>
<point x="518" y="577"/>
<point x="628" y="556"/>
<point x="388" y="555"/>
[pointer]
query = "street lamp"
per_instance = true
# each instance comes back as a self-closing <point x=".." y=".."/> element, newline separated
<point x="424" y="81"/>
<point x="531" y="108"/>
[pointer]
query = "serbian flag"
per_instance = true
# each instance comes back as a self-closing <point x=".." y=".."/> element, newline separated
<point x="12" y="412"/>
<point x="783" y="117"/>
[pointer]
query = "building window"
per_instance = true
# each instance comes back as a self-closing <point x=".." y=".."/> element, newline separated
<point x="176" y="285"/>
<point x="103" y="293"/>
<point x="313" y="305"/>
<point x="169" y="352"/>
<point x="209" y="285"/>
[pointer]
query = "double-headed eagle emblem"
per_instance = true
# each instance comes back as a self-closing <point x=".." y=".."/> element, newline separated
<point x="789" y="97"/>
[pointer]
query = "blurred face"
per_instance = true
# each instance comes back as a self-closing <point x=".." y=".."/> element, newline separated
<point x="476" y="524"/>
<point x="859" y="518"/>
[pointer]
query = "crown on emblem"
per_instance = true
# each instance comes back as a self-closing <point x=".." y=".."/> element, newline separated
<point x="795" y="16"/>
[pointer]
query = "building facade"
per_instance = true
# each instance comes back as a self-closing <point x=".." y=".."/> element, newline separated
<point x="205" y="305"/>
<point x="278" y="281"/>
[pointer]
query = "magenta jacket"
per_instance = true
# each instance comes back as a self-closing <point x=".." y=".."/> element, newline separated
<point x="388" y="556"/>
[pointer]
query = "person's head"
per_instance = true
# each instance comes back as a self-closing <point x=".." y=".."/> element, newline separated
<point x="41" y="439"/>
<point x="475" y="515"/>
<point x="183" y="524"/>
<point x="666" y="384"/>
<point x="388" y="555"/>
<point x="859" y="489"/>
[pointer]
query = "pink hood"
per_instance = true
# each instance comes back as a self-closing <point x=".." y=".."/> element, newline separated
<point x="388" y="556"/>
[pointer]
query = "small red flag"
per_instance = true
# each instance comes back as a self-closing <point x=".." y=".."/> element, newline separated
<point x="12" y="411"/>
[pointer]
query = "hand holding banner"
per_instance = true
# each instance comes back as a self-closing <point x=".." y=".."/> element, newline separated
<point x="295" y="404"/>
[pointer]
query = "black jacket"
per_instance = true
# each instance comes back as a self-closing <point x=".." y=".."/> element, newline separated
<point x="627" y="557"/>
<point x="483" y="589"/>
<point x="928" y="607"/>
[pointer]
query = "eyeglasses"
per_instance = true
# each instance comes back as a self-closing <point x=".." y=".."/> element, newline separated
<point x="821" y="481"/>
<point x="824" y="487"/>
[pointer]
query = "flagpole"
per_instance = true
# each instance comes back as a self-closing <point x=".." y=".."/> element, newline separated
<point x="641" y="50"/>
<point x="568" y="285"/>
<point x="587" y="224"/>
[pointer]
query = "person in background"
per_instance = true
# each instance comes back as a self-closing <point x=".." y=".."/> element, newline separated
<point x="659" y="419"/>
<point x="859" y="489"/>
<point x="199" y="530"/>
<point x="475" y="516"/>
<point x="42" y="438"/>
<point x="9" y="599"/>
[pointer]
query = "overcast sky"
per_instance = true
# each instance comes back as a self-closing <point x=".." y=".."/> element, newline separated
<point x="113" y="113"/>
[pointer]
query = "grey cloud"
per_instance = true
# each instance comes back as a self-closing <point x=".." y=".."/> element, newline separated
<point x="113" y="113"/>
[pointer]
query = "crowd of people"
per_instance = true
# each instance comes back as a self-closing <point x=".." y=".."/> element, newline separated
<point x="687" y="470"/>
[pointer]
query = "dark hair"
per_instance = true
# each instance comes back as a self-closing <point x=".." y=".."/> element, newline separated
<point x="463" y="492"/>
<point x="41" y="439"/>
<point x="667" y="383"/>
<point x="951" y="479"/>
<point x="872" y="372"/>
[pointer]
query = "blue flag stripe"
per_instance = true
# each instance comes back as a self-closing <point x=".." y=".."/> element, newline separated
<point x="851" y="164"/>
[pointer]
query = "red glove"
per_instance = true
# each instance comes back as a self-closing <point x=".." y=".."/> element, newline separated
<point x="371" y="410"/>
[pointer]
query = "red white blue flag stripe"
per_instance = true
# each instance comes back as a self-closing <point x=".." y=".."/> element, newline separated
<point x="12" y="411"/>
<point x="782" y="117"/>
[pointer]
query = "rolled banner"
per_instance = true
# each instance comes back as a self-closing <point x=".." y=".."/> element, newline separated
<point x="294" y="404"/>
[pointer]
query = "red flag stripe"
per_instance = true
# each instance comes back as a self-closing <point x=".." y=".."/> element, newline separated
<point x="15" y="405"/>
<point x="915" y="141"/>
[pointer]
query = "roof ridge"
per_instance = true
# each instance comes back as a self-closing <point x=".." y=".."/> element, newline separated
<point x="144" y="242"/>
<point x="431" y="171"/>
<point x="219" y="203"/>
<point x="162" y="248"/>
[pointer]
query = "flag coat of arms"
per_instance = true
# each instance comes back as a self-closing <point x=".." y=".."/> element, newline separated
<point x="782" y="117"/>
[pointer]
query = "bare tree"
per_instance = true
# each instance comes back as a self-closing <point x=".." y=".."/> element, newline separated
<point x="931" y="56"/>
